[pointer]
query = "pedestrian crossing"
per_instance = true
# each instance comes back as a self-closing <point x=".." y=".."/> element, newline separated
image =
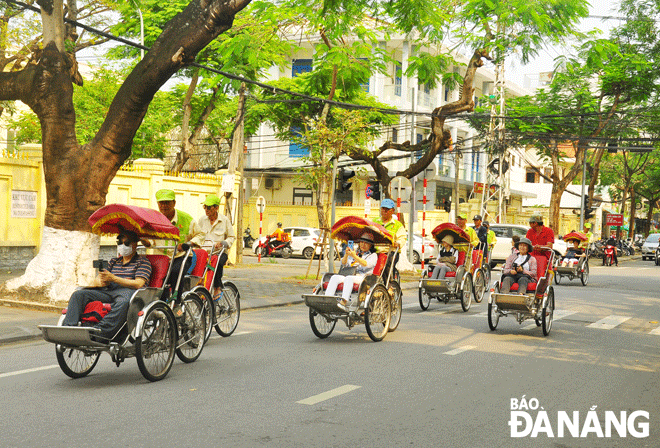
<point x="609" y="322"/>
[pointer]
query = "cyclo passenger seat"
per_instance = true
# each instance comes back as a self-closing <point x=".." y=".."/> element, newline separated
<point x="378" y="269"/>
<point x="541" y="266"/>
<point x="461" y="261"/>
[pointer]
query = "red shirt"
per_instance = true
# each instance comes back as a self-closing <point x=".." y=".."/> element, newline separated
<point x="546" y="237"/>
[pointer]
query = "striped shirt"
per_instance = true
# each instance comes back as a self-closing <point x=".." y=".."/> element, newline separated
<point x="139" y="266"/>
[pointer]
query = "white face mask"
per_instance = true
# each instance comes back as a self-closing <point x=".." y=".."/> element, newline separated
<point x="124" y="251"/>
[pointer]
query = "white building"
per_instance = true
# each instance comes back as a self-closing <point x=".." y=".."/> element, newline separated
<point x="272" y="161"/>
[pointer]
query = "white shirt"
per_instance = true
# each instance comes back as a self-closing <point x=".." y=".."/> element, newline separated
<point x="217" y="231"/>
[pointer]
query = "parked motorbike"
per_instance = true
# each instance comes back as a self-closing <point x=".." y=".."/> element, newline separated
<point x="278" y="248"/>
<point x="248" y="239"/>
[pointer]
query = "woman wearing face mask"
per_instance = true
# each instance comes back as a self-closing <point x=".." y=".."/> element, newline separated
<point x="116" y="285"/>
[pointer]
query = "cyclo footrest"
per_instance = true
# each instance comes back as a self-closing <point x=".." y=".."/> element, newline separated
<point x="515" y="302"/>
<point x="71" y="336"/>
<point x="323" y="304"/>
<point x="438" y="286"/>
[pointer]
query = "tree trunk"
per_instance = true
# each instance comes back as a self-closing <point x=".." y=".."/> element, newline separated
<point x="78" y="176"/>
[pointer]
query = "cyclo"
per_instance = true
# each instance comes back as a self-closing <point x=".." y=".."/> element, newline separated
<point x="469" y="279"/>
<point x="153" y="331"/>
<point x="379" y="294"/>
<point x="537" y="303"/>
<point x="581" y="269"/>
<point x="224" y="311"/>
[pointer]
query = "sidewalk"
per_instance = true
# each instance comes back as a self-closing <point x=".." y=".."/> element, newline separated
<point x="267" y="284"/>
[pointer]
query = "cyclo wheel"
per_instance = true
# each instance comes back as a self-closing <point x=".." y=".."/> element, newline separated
<point x="396" y="305"/>
<point x="76" y="363"/>
<point x="321" y="326"/>
<point x="424" y="297"/>
<point x="479" y="285"/>
<point x="227" y="310"/>
<point x="584" y="276"/>
<point x="192" y="329"/>
<point x="548" y="312"/>
<point x="155" y="346"/>
<point x="209" y="309"/>
<point x="466" y="294"/>
<point x="493" y="314"/>
<point x="377" y="315"/>
<point x="487" y="274"/>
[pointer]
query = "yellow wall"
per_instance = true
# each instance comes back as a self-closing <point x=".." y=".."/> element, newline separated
<point x="138" y="184"/>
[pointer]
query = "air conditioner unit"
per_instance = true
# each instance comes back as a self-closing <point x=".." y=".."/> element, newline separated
<point x="273" y="183"/>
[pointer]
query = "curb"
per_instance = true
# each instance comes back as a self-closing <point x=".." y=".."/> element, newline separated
<point x="32" y="305"/>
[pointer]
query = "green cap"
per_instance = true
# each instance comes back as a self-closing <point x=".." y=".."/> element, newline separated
<point x="211" y="200"/>
<point x="587" y="225"/>
<point x="462" y="216"/>
<point x="165" y="195"/>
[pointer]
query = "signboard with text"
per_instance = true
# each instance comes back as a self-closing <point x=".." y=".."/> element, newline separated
<point x="478" y="188"/>
<point x="614" y="219"/>
<point x="23" y="204"/>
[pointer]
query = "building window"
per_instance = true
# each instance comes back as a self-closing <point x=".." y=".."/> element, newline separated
<point x="395" y="135"/>
<point x="303" y="196"/>
<point x="299" y="66"/>
<point x="398" y="78"/>
<point x="296" y="149"/>
<point x="447" y="93"/>
<point x="530" y="176"/>
<point x="442" y="194"/>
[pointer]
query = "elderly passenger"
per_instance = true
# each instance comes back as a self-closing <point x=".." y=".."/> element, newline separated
<point x="519" y="268"/>
<point x="364" y="260"/>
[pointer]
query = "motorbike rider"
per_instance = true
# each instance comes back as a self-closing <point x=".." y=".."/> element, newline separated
<point x="216" y="228"/>
<point x="277" y="237"/>
<point x="612" y="242"/>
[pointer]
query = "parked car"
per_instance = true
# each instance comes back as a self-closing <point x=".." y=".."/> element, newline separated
<point x="302" y="240"/>
<point x="504" y="232"/>
<point x="649" y="246"/>
<point x="430" y="250"/>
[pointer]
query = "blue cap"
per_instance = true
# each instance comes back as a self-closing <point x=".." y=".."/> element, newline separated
<point x="387" y="203"/>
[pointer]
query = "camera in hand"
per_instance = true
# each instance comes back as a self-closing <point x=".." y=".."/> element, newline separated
<point x="101" y="265"/>
<point x="515" y="266"/>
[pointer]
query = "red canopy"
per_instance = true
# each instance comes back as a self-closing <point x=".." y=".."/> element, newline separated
<point x="352" y="228"/>
<point x="112" y="219"/>
<point x="575" y="236"/>
<point x="448" y="228"/>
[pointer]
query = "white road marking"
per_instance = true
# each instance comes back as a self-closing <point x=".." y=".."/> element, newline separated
<point x="329" y="394"/>
<point x="456" y="351"/>
<point x="609" y="322"/>
<point x="238" y="333"/>
<point x="559" y="314"/>
<point x="656" y="331"/>
<point x="21" y="372"/>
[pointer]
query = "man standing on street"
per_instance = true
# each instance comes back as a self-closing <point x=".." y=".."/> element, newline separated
<point x="218" y="229"/>
<point x="482" y="233"/>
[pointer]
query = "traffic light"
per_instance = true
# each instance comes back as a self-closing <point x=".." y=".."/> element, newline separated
<point x="588" y="211"/>
<point x="446" y="205"/>
<point x="373" y="190"/>
<point x="342" y="180"/>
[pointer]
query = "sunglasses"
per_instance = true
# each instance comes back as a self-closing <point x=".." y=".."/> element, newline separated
<point x="207" y="207"/>
<point x="124" y="242"/>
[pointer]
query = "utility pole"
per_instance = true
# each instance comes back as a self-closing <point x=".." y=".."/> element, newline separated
<point x="411" y="218"/>
<point x="236" y="163"/>
<point x="331" y="248"/>
<point x="457" y="169"/>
